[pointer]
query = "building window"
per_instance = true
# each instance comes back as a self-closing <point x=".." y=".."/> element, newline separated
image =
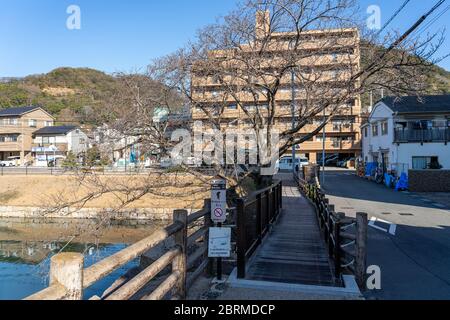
<point x="45" y="140"/>
<point x="32" y="123"/>
<point x="422" y="163"/>
<point x="13" y="122"/>
<point x="375" y="129"/>
<point x="232" y="106"/>
<point x="48" y="123"/>
<point x="366" y="132"/>
<point x="384" y="128"/>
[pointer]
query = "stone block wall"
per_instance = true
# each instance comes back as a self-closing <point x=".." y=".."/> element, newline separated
<point x="429" y="180"/>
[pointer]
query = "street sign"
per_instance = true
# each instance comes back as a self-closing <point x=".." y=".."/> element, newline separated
<point x="219" y="243"/>
<point x="218" y="200"/>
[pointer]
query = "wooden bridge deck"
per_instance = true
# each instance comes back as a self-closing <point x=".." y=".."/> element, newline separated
<point x="294" y="251"/>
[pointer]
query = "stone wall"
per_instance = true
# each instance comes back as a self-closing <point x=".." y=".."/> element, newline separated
<point x="87" y="213"/>
<point x="429" y="180"/>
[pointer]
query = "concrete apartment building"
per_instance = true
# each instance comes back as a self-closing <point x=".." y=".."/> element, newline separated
<point x="343" y="135"/>
<point x="17" y="126"/>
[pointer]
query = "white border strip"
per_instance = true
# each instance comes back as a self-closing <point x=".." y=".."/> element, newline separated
<point x="350" y="290"/>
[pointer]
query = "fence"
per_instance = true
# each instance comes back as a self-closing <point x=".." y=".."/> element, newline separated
<point x="422" y="135"/>
<point x="68" y="278"/>
<point x="254" y="218"/>
<point x="58" y="171"/>
<point x="346" y="237"/>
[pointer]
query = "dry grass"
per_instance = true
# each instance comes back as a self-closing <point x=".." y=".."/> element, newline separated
<point x="46" y="191"/>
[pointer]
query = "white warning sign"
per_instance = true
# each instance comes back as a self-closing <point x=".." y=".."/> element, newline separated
<point x="218" y="200"/>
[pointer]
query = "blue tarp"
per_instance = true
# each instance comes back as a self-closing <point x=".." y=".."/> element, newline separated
<point x="370" y="167"/>
<point x="402" y="184"/>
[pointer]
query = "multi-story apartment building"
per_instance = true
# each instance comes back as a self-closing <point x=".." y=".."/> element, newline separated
<point x="330" y="56"/>
<point x="17" y="126"/>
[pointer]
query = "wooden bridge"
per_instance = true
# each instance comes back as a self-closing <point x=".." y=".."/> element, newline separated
<point x="294" y="251"/>
<point x="304" y="243"/>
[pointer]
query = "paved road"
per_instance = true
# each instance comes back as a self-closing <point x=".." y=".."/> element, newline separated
<point x="412" y="248"/>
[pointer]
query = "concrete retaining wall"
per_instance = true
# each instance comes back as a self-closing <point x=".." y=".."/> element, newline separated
<point x="429" y="180"/>
<point x="88" y="213"/>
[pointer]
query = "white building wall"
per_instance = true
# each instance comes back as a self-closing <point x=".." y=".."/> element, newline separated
<point x="373" y="144"/>
<point x="406" y="151"/>
<point x="77" y="141"/>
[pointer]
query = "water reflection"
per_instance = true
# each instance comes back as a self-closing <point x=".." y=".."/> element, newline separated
<point x="26" y="246"/>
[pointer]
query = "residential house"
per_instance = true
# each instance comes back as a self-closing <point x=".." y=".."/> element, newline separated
<point x="16" y="129"/>
<point x="409" y="133"/>
<point x="52" y="144"/>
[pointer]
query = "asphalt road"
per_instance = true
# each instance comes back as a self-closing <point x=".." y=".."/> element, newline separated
<point x="412" y="246"/>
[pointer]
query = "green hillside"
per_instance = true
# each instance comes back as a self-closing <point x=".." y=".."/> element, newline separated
<point x="64" y="92"/>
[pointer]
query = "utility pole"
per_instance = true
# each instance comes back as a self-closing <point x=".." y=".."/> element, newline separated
<point x="293" y="116"/>
<point x="324" y="135"/>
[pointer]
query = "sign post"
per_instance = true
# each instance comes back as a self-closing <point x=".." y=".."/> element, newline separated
<point x="219" y="238"/>
<point x="218" y="200"/>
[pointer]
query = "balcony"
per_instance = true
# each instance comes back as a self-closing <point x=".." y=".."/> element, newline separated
<point x="422" y="135"/>
<point x="49" y="147"/>
<point x="10" y="146"/>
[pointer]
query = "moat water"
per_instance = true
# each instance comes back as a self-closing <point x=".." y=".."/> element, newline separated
<point x="26" y="246"/>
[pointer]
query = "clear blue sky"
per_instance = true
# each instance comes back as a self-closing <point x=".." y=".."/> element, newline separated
<point x="119" y="35"/>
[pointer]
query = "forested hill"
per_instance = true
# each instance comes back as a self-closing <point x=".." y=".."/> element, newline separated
<point x="64" y="92"/>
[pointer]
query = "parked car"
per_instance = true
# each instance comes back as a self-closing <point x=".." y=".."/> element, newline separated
<point x="11" y="162"/>
<point x="330" y="160"/>
<point x="165" y="163"/>
<point x="285" y="163"/>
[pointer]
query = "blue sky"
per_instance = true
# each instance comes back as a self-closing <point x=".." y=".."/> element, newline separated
<point x="118" y="35"/>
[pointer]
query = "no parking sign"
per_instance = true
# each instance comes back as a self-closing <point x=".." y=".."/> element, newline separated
<point x="218" y="200"/>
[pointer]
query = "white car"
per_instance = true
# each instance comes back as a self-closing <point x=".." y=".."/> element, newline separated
<point x="11" y="162"/>
<point x="285" y="163"/>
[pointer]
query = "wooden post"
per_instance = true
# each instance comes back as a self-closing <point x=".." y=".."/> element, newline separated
<point x="281" y="194"/>
<point x="361" y="251"/>
<point x="337" y="245"/>
<point x="207" y="224"/>
<point x="259" y="227"/>
<point x="179" y="264"/>
<point x="66" y="269"/>
<point x="241" y="239"/>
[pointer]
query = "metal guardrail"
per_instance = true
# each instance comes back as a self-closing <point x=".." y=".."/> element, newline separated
<point x="254" y="219"/>
<point x="345" y="237"/>
<point x="422" y="135"/>
<point x="58" y="171"/>
<point x="68" y="277"/>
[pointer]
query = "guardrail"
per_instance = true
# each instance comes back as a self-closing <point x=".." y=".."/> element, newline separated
<point x="58" y="171"/>
<point x="346" y="237"/>
<point x="254" y="219"/>
<point x="68" y="277"/>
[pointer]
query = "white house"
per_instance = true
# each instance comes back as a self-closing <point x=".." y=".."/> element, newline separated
<point x="54" y="143"/>
<point x="409" y="133"/>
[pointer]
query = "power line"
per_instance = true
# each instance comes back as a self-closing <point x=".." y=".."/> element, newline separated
<point x="429" y="24"/>
<point x="393" y="16"/>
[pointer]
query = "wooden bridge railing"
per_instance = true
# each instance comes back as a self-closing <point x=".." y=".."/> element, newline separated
<point x="346" y="237"/>
<point x="68" y="277"/>
<point x="254" y="218"/>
